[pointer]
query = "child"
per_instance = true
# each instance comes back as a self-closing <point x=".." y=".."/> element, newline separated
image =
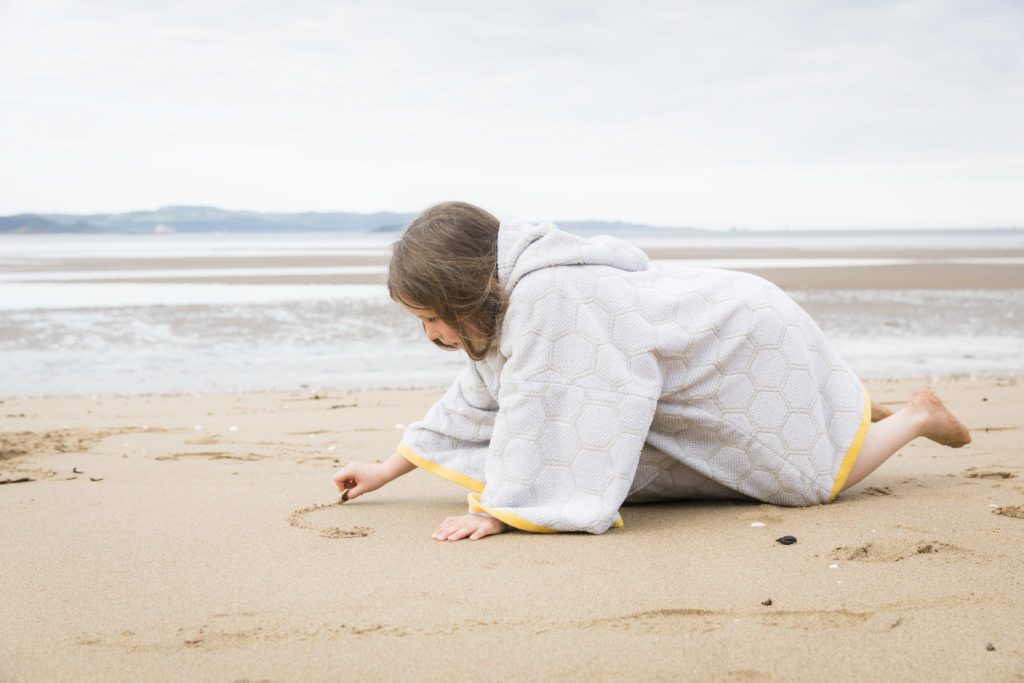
<point x="596" y="378"/>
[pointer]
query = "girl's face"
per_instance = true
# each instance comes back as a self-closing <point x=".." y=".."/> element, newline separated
<point x="436" y="331"/>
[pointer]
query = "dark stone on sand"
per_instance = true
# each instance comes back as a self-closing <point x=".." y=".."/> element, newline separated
<point x="786" y="540"/>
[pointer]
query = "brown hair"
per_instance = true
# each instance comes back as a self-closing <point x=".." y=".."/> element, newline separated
<point x="447" y="261"/>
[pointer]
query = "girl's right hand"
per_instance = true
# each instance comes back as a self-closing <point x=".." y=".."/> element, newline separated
<point x="358" y="478"/>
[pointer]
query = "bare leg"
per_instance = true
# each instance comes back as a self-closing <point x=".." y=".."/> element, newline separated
<point x="879" y="412"/>
<point x="924" y="415"/>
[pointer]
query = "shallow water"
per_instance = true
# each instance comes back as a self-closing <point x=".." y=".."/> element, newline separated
<point x="62" y="334"/>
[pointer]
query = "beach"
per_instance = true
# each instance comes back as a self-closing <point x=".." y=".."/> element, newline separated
<point x="128" y="314"/>
<point x="199" y="537"/>
<point x="170" y="423"/>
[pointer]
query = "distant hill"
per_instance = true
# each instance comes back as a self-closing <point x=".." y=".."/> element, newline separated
<point x="211" y="219"/>
<point x="34" y="223"/>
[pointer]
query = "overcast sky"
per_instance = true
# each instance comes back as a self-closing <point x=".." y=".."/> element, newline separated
<point x="765" y="114"/>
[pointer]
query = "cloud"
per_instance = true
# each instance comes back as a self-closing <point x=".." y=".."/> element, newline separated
<point x="570" y="109"/>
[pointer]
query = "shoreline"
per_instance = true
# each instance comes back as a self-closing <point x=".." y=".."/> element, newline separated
<point x="326" y="393"/>
<point x="926" y="272"/>
<point x="113" y="335"/>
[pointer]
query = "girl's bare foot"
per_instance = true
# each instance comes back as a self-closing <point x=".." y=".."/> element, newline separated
<point x="940" y="425"/>
<point x="879" y="412"/>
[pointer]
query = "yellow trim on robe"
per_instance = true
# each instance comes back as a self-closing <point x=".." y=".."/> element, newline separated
<point x="515" y="520"/>
<point x="854" y="450"/>
<point x="440" y="470"/>
<point x="509" y="518"/>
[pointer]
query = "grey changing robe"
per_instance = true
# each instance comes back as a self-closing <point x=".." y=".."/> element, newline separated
<point x="616" y="380"/>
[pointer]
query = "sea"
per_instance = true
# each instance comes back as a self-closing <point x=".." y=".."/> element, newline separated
<point x="130" y="329"/>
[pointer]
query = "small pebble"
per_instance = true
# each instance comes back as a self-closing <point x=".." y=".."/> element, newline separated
<point x="990" y="647"/>
<point x="833" y="566"/>
<point x="786" y="540"/>
<point x="767" y="603"/>
<point x="757" y="524"/>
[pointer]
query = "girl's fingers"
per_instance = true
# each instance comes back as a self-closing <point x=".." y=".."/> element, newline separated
<point x="467" y="526"/>
<point x="450" y="530"/>
<point x="343" y="477"/>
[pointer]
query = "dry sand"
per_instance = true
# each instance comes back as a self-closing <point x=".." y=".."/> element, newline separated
<point x="198" y="538"/>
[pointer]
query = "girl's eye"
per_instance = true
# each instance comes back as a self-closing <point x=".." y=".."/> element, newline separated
<point x="431" y="320"/>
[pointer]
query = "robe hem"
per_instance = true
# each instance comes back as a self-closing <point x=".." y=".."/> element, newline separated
<point x="439" y="470"/>
<point x="514" y="520"/>
<point x="854" y="450"/>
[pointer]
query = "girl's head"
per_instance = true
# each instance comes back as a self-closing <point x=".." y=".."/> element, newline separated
<point x="445" y="266"/>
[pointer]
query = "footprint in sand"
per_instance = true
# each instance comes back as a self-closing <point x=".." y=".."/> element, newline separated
<point x="989" y="475"/>
<point x="297" y="520"/>
<point x="878" y="491"/>
<point x="894" y="550"/>
<point x="1016" y="511"/>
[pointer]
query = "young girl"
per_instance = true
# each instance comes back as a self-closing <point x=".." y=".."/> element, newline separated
<point x="595" y="378"/>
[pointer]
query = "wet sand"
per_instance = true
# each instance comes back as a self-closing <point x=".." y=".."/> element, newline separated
<point x="925" y="274"/>
<point x="198" y="537"/>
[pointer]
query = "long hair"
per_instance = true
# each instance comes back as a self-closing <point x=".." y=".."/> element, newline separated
<point x="447" y="261"/>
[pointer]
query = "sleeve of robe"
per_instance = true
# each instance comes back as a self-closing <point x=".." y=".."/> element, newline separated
<point x="576" y="402"/>
<point x="452" y="439"/>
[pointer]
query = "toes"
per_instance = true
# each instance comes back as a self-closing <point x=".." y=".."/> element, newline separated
<point x="879" y="412"/>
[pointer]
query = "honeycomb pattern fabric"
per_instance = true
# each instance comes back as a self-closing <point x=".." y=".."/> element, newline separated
<point x="617" y="381"/>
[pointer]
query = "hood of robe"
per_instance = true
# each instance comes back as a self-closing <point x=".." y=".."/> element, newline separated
<point x="524" y="248"/>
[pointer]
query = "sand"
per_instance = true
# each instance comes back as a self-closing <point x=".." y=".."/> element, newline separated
<point x="925" y="273"/>
<point x="198" y="537"/>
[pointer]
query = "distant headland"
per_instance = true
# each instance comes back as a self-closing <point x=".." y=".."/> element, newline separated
<point x="170" y="219"/>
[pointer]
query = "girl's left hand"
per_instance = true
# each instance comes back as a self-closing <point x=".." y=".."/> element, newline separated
<point x="472" y="526"/>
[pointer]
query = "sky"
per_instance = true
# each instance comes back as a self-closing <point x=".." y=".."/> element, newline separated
<point x="784" y="114"/>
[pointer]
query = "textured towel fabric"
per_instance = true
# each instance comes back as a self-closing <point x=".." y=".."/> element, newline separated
<point x="618" y="381"/>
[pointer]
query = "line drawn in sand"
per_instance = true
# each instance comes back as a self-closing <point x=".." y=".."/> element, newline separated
<point x="296" y="519"/>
